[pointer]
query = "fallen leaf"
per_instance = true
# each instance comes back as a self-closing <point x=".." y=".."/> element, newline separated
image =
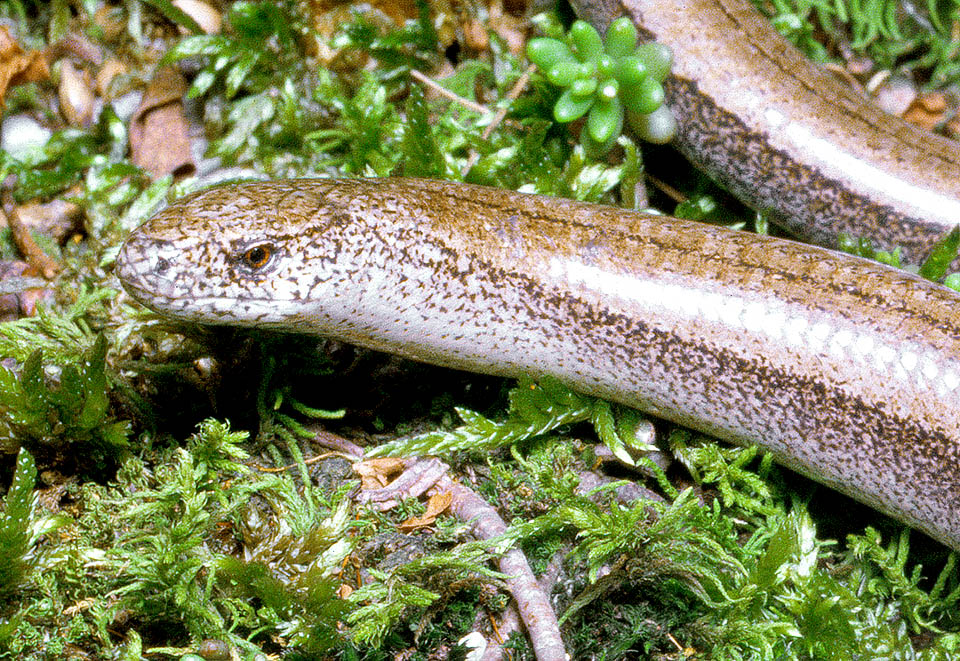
<point x="23" y="239"/>
<point x="106" y="75"/>
<point x="927" y="110"/>
<point x="18" y="67"/>
<point x="158" y="129"/>
<point x="207" y="17"/>
<point x="24" y="303"/>
<point x="437" y="505"/>
<point x="57" y="218"/>
<point x="76" y="95"/>
<point x="378" y="473"/>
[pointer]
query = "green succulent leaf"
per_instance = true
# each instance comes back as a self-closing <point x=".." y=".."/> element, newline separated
<point x="586" y="41"/>
<point x="605" y="120"/>
<point x="606" y="78"/>
<point x="570" y="107"/>
<point x="597" y="149"/>
<point x="630" y="70"/>
<point x="563" y="73"/>
<point x="644" y="97"/>
<point x="658" y="127"/>
<point x="608" y="89"/>
<point x="621" y="37"/>
<point x="583" y="87"/>
<point x="605" y="66"/>
<point x="658" y="58"/>
<point x="546" y="52"/>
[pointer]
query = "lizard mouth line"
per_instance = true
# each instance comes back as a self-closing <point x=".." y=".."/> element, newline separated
<point x="260" y="311"/>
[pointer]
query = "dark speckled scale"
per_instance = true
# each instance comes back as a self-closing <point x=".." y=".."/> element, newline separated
<point x="845" y="370"/>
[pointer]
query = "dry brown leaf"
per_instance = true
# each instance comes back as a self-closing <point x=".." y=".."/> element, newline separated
<point x="438" y="503"/>
<point x="475" y="35"/>
<point x="328" y="16"/>
<point x="110" y="20"/>
<point x="23" y="239"/>
<point x="927" y="111"/>
<point x="398" y="10"/>
<point x="158" y="129"/>
<point x="107" y="73"/>
<point x="18" y="67"/>
<point x="436" y="506"/>
<point x="378" y="473"/>
<point x="24" y="304"/>
<point x="512" y="28"/>
<point x="75" y="94"/>
<point x="57" y="218"/>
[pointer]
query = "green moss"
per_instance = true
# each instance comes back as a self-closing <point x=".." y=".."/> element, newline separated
<point x="44" y="415"/>
<point x="918" y="41"/>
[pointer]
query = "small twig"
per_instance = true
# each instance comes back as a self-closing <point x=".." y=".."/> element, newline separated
<point x="340" y="447"/>
<point x="443" y="91"/>
<point x="339" y="443"/>
<point x="514" y="93"/>
<point x="509" y="623"/>
<point x="675" y="642"/>
<point x="498" y="116"/>
<point x="311" y="460"/>
<point x="43" y="263"/>
<point x="533" y="603"/>
<point x="666" y="188"/>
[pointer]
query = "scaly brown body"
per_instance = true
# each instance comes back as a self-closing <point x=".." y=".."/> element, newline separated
<point x="846" y="370"/>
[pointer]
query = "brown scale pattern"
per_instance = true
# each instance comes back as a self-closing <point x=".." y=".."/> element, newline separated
<point x="896" y="459"/>
<point x="804" y="202"/>
<point x="465" y="277"/>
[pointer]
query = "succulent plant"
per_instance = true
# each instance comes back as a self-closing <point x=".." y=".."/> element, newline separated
<point x="606" y="81"/>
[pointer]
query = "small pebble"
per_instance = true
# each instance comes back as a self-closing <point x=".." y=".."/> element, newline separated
<point x="22" y="134"/>
<point x="896" y="94"/>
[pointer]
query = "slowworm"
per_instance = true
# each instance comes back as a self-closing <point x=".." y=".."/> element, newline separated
<point x="846" y="370"/>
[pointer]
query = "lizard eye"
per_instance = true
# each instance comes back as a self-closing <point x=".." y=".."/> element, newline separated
<point x="256" y="257"/>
